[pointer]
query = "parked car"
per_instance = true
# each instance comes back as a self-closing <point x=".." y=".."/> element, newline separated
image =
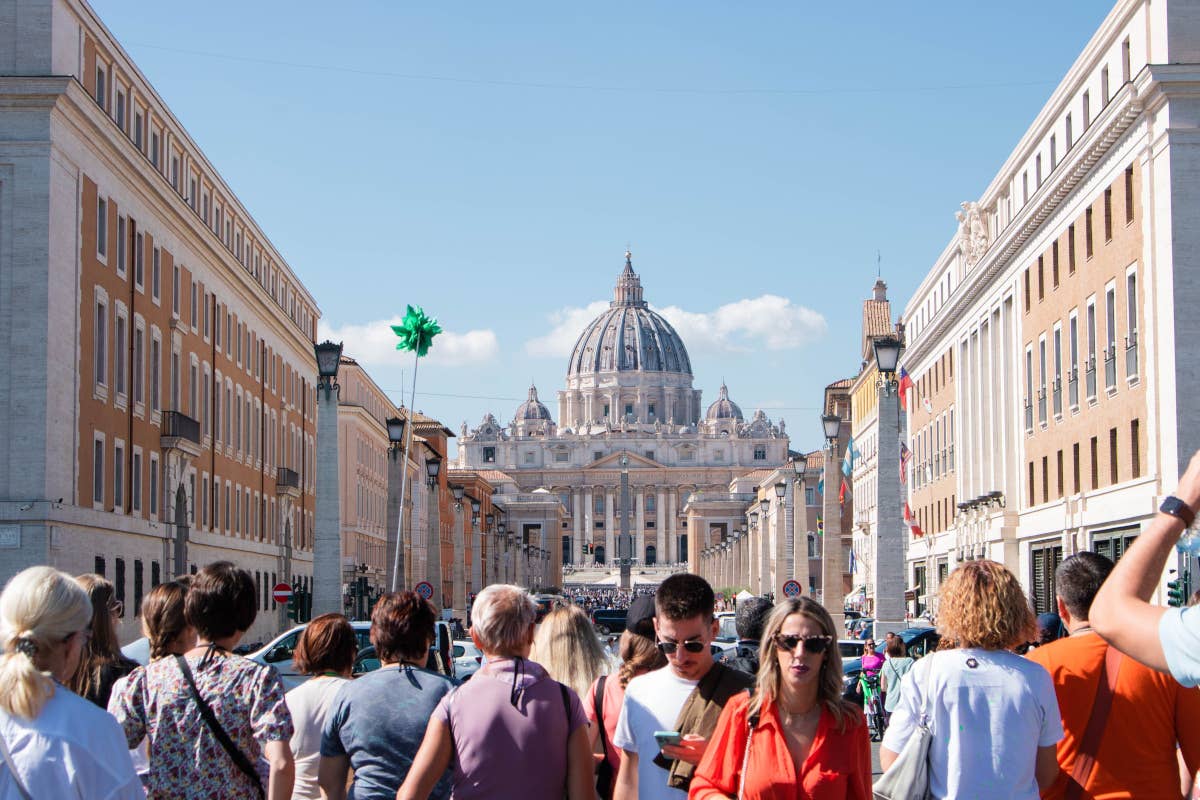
<point x="727" y="634"/>
<point x="278" y="652"/>
<point x="467" y="659"/>
<point x="850" y="648"/>
<point x="609" y="620"/>
<point x="917" y="642"/>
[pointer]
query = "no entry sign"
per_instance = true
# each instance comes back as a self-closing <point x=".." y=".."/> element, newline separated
<point x="282" y="592"/>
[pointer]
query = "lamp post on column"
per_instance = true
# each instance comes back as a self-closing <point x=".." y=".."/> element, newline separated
<point x="489" y="566"/>
<point x="832" y="591"/>
<point x="800" y="525"/>
<point x="888" y="561"/>
<point x="764" y="548"/>
<point x="327" y="537"/>
<point x="503" y="552"/>
<point x="433" y="547"/>
<point x="397" y="484"/>
<point x="624" y="545"/>
<point x="458" y="578"/>
<point x="751" y="558"/>
<point x="476" y="549"/>
<point x="781" y="569"/>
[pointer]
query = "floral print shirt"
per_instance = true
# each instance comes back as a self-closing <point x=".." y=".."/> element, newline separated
<point x="186" y="760"/>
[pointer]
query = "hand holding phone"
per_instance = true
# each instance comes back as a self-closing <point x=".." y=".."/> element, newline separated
<point x="664" y="738"/>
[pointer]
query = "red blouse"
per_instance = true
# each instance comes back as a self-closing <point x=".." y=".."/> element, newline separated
<point x="838" y="766"/>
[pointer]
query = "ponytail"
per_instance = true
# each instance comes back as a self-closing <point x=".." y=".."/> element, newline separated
<point x="39" y="608"/>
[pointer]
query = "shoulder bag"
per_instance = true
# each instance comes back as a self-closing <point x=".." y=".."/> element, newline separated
<point x="908" y="777"/>
<point x="1089" y="745"/>
<point x="238" y="757"/>
<point x="604" y="772"/>
<point x="12" y="770"/>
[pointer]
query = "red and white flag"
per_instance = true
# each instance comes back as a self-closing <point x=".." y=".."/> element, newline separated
<point x="911" y="521"/>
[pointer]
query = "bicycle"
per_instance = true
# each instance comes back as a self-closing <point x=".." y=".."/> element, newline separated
<point x="873" y="705"/>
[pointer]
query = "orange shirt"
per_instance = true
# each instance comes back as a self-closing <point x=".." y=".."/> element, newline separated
<point x="1150" y="712"/>
<point x="838" y="766"/>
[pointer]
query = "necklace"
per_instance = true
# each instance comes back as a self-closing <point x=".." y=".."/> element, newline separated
<point x="790" y="719"/>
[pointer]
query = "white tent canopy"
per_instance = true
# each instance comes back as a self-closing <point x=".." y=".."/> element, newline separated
<point x="743" y="595"/>
<point x="615" y="580"/>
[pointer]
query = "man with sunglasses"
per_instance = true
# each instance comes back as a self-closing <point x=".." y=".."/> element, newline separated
<point x="686" y="696"/>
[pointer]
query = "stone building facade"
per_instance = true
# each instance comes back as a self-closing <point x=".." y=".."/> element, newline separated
<point x="1053" y="390"/>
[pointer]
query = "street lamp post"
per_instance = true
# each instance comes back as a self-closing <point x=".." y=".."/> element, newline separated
<point x="800" y="525"/>
<point x="397" y="483"/>
<point x="327" y="537"/>
<point x="624" y="544"/>
<point x="782" y="568"/>
<point x="476" y="549"/>
<point x="489" y="567"/>
<point x="832" y="590"/>
<point x="764" y="548"/>
<point x="433" y="547"/>
<point x="458" y="599"/>
<point x="752" y="560"/>
<point x="888" y="561"/>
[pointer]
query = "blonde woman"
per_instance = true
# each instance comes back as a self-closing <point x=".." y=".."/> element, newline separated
<point x="804" y="740"/>
<point x="54" y="742"/>
<point x="993" y="714"/>
<point x="566" y="646"/>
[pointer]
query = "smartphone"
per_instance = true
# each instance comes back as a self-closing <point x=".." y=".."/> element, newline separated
<point x="667" y="737"/>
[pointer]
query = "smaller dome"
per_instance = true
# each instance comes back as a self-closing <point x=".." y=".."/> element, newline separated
<point x="532" y="409"/>
<point x="724" y="408"/>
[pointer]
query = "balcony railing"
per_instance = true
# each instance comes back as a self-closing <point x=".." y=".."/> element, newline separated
<point x="287" y="478"/>
<point x="1042" y="405"/>
<point x="178" y="425"/>
<point x="1058" y="397"/>
<point x="1131" y="356"/>
<point x="1090" y="379"/>
<point x="1073" y="388"/>
<point x="1028" y="415"/>
<point x="1110" y="367"/>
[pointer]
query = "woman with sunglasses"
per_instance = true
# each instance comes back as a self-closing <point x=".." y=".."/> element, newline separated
<point x="794" y="735"/>
<point x="102" y="663"/>
<point x="54" y="743"/>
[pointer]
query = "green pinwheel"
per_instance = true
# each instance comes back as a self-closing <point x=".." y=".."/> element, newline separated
<point x="416" y="331"/>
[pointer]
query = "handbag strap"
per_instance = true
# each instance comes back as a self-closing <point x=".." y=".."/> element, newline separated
<point x="598" y="702"/>
<point x="12" y="770"/>
<point x="238" y="757"/>
<point x="751" y="724"/>
<point x="1089" y="745"/>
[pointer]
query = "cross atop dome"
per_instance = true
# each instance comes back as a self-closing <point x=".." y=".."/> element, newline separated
<point x="629" y="286"/>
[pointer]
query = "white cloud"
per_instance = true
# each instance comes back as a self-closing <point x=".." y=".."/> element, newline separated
<point x="568" y="324"/>
<point x="374" y="343"/>
<point x="768" y="321"/>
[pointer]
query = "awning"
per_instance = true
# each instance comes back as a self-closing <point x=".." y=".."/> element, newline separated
<point x="856" y="598"/>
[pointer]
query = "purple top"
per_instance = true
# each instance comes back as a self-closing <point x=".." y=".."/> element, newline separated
<point x="872" y="662"/>
<point x="510" y="730"/>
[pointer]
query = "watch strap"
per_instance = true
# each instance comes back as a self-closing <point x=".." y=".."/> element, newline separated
<point x="1177" y="508"/>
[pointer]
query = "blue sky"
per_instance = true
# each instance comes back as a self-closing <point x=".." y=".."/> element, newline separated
<point x="491" y="162"/>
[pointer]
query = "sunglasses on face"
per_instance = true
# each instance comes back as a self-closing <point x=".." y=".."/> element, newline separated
<point x="669" y="648"/>
<point x="812" y="644"/>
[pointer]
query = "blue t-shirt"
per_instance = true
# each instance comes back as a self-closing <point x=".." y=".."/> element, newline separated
<point x="379" y="721"/>
<point x="1179" y="632"/>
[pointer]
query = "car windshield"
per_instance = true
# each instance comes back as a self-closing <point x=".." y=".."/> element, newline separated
<point x="728" y="631"/>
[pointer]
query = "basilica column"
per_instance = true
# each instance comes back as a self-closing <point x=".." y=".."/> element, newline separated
<point x="609" y="515"/>
<point x="669" y="554"/>
<point x="577" y="523"/>
<point x="639" y="523"/>
<point x="660" y="527"/>
<point x="589" y="507"/>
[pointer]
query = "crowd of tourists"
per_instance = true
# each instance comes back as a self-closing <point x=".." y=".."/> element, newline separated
<point x="1106" y="709"/>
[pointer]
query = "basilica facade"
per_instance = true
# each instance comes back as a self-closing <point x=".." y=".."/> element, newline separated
<point x="629" y="407"/>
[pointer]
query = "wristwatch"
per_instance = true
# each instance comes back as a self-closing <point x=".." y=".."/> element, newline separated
<point x="1177" y="508"/>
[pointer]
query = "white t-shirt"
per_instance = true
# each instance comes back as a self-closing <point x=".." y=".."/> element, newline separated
<point x="73" y="749"/>
<point x="652" y="703"/>
<point x="1179" y="632"/>
<point x="309" y="703"/>
<point x="990" y="710"/>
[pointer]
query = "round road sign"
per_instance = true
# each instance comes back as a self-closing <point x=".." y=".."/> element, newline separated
<point x="791" y="589"/>
<point x="282" y="592"/>
<point x="425" y="589"/>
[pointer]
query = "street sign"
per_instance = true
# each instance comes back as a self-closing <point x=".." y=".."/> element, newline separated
<point x="425" y="589"/>
<point x="791" y="589"/>
<point x="282" y="592"/>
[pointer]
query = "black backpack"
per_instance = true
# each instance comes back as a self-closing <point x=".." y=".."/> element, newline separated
<point x="743" y="659"/>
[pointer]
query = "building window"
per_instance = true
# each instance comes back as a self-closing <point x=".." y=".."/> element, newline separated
<point x="118" y="476"/>
<point x="1057" y="393"/>
<point x="135" y="482"/>
<point x="1054" y="264"/>
<point x="139" y="260"/>
<point x="156" y="274"/>
<point x="1090" y="364"/>
<point x="1131" y="319"/>
<point x="597" y="455"/>
<point x="489" y="455"/>
<point x="1073" y="355"/>
<point x="1045" y="479"/>
<point x="1032" y="483"/>
<point x="1110" y="351"/>
<point x="139" y="578"/>
<point x="1076" y="488"/>
<point x="155" y="375"/>
<point x="101" y="87"/>
<point x="1135" y="449"/>
<point x="175" y="290"/>
<point x="598" y="504"/>
<point x="119" y="583"/>
<point x="1088" y="248"/>
<point x="138" y="118"/>
<point x="1095" y="454"/>
<point x="1128" y="195"/>
<point x="1070" y="249"/>
<point x="1108" y="227"/>
<point x="100" y="365"/>
<point x="98" y="566"/>
<point x="155" y="574"/>
<point x="1087" y="109"/>
<point x="121" y="227"/>
<point x="1061" y="482"/>
<point x="153" y="485"/>
<point x="98" y="471"/>
<point x="120" y="345"/>
<point x="1027" y="291"/>
<point x="154" y="141"/>
<point x="1070" y="133"/>
<point x="1044" y="560"/>
<point x="1113" y="466"/>
<point x="139" y="355"/>
<point x="1113" y="544"/>
<point x="102" y="228"/>
<point x="1041" y="278"/>
<point x="529" y="457"/>
<point x="1104" y="96"/>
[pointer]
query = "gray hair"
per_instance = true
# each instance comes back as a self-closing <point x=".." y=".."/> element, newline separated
<point x="501" y="616"/>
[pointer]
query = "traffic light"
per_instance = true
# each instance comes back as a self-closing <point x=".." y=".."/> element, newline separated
<point x="294" y="606"/>
<point x="1175" y="594"/>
